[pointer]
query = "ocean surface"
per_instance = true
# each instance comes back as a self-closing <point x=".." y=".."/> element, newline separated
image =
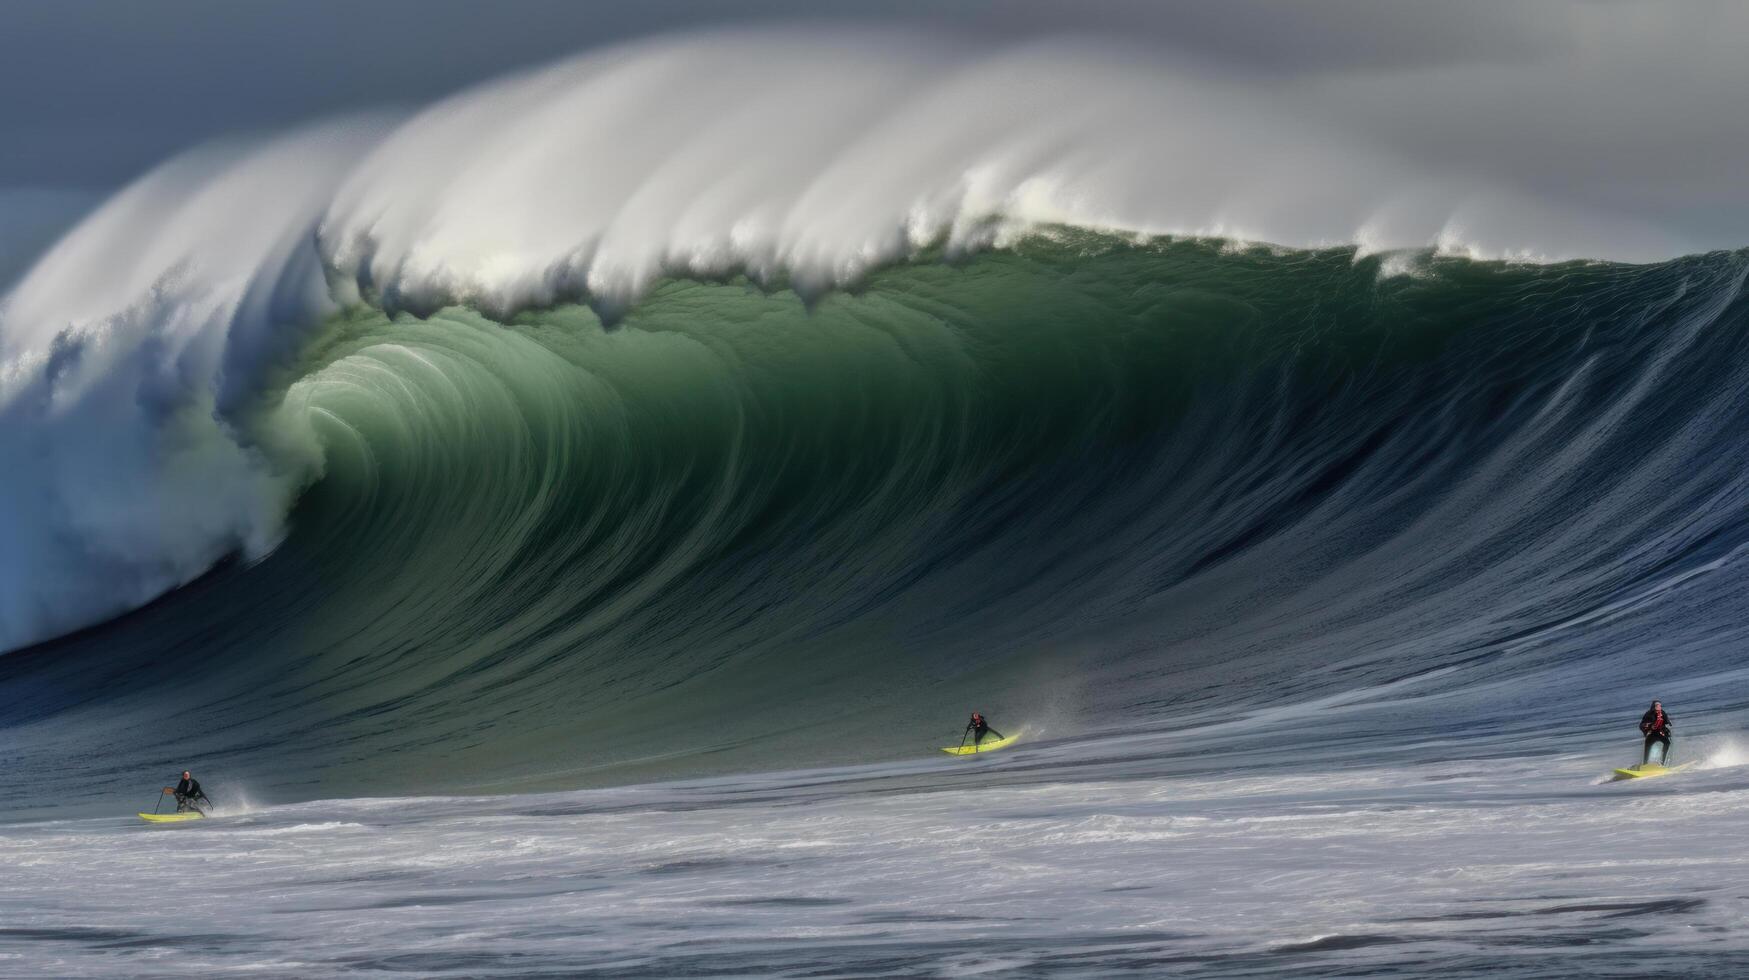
<point x="543" y="587"/>
<point x="1018" y="864"/>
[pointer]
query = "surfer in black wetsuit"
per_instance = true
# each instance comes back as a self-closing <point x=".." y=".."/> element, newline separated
<point x="188" y="793"/>
<point x="1655" y="725"/>
<point x="978" y="728"/>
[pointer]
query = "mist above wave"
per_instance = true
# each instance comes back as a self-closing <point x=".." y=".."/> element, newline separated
<point x="810" y="158"/>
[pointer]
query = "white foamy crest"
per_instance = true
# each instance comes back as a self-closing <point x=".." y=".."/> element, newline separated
<point x="816" y="158"/>
<point x="124" y="476"/>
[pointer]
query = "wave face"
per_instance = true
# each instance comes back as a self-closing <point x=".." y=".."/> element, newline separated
<point x="1095" y="482"/>
<point x="132" y="353"/>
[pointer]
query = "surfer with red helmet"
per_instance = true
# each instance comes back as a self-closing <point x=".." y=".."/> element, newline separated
<point x="189" y="795"/>
<point x="977" y="728"/>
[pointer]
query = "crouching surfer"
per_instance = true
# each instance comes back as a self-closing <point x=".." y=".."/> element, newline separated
<point x="977" y="728"/>
<point x="1655" y="725"/>
<point x="189" y="795"/>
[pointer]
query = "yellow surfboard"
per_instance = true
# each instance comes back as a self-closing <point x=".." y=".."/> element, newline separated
<point x="990" y="745"/>
<point x="1650" y="770"/>
<point x="171" y="817"/>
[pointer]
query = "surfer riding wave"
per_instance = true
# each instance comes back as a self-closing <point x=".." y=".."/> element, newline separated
<point x="1655" y="725"/>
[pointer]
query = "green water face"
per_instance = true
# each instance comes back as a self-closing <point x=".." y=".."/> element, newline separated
<point x="1063" y="483"/>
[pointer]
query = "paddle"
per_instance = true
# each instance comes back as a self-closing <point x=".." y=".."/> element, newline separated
<point x="963" y="735"/>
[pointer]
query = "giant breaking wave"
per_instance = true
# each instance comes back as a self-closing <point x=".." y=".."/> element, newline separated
<point x="606" y="420"/>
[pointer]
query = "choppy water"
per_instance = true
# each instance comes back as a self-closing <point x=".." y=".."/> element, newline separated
<point x="1012" y="865"/>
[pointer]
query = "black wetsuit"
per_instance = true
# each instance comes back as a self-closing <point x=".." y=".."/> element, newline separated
<point x="979" y="728"/>
<point x="188" y="794"/>
<point x="1655" y="724"/>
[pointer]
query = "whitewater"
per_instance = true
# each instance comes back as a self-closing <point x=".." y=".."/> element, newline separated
<point x="562" y="524"/>
<point x="1018" y="868"/>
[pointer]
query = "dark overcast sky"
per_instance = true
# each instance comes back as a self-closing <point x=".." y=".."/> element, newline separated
<point x="99" y="91"/>
<point x="1631" y="105"/>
